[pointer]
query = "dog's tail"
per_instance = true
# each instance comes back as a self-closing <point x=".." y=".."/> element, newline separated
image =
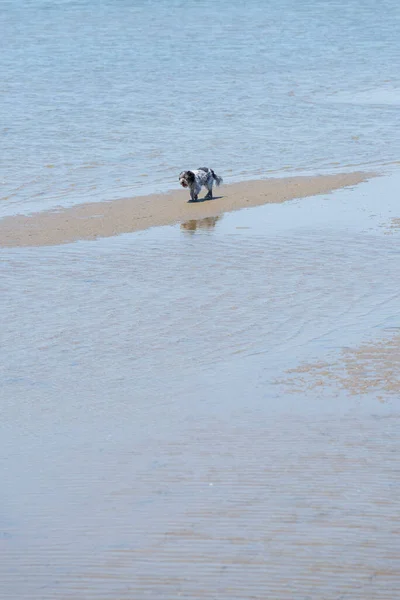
<point x="217" y="178"/>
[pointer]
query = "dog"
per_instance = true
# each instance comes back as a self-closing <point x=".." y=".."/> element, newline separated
<point x="194" y="180"/>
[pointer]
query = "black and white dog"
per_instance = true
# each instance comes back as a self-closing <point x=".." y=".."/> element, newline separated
<point x="194" y="180"/>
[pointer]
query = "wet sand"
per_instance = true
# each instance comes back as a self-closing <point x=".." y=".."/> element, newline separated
<point x="373" y="367"/>
<point x="105" y="219"/>
<point x="208" y="410"/>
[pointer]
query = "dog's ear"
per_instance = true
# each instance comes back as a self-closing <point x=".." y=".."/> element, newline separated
<point x="190" y="176"/>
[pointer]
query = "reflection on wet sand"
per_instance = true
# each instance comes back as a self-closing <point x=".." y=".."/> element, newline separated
<point x="372" y="367"/>
<point x="203" y="224"/>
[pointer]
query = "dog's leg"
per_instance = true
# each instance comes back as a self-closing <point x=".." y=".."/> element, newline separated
<point x="193" y="195"/>
<point x="194" y="192"/>
<point x="209" y="186"/>
<point x="210" y="194"/>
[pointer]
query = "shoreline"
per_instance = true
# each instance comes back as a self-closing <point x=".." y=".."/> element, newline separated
<point x="106" y="219"/>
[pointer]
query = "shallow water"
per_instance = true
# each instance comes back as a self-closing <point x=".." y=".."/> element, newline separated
<point x="149" y="448"/>
<point x="113" y="99"/>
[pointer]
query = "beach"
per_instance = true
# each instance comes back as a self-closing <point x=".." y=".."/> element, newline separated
<point x="207" y="409"/>
<point x="199" y="400"/>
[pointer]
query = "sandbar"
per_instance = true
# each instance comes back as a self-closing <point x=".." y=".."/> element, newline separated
<point x="90" y="221"/>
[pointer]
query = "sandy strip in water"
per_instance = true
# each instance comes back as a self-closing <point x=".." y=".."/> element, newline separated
<point x="105" y="219"/>
<point x="372" y="367"/>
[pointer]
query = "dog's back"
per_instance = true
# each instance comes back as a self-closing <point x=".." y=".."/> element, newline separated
<point x="207" y="172"/>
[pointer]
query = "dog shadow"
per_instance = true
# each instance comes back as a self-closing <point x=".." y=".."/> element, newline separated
<point x="205" y="200"/>
<point x="206" y="224"/>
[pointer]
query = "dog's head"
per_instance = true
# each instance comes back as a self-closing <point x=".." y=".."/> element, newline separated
<point x="186" y="178"/>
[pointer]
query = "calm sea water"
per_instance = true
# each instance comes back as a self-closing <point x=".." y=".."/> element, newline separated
<point x="148" y="447"/>
<point x="100" y="100"/>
